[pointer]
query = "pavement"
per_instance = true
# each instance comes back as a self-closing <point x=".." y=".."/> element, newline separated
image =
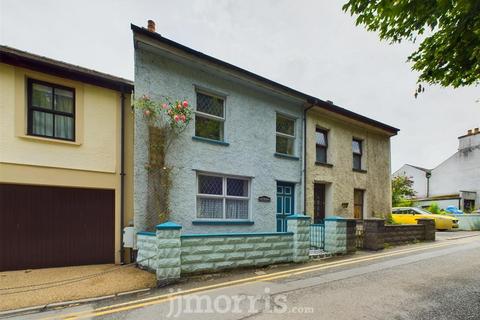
<point x="41" y="287"/>
<point x="435" y="280"/>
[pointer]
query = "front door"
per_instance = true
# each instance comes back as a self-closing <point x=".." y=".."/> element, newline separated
<point x="285" y="204"/>
<point x="318" y="203"/>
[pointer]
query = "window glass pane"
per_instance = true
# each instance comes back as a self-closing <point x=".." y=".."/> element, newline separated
<point x="237" y="187"/>
<point x="356" y="146"/>
<point x="41" y="96"/>
<point x="64" y="100"/>
<point x="63" y="127"/>
<point x="285" y="125"/>
<point x="208" y="128"/>
<point x="209" y="104"/>
<point x="284" y="145"/>
<point x="210" y="208"/>
<point x="236" y="209"/>
<point x="321" y="138"/>
<point x="357" y="161"/>
<point x="321" y="154"/>
<point x="210" y="185"/>
<point x="42" y="123"/>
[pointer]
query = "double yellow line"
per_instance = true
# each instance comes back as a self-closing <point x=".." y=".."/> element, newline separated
<point x="272" y="276"/>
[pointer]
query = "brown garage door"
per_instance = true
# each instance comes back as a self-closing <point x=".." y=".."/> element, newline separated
<point x="51" y="226"/>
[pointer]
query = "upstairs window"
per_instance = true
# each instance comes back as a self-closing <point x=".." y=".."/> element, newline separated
<point x="357" y="154"/>
<point x="285" y="135"/>
<point x="321" y="142"/>
<point x="51" y="110"/>
<point x="222" y="197"/>
<point x="209" y="116"/>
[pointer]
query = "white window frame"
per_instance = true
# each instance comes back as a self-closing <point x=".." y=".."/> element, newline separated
<point x="281" y="134"/>
<point x="223" y="196"/>
<point x="211" y="116"/>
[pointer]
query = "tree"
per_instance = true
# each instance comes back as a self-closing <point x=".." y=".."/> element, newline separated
<point x="449" y="30"/>
<point x="402" y="191"/>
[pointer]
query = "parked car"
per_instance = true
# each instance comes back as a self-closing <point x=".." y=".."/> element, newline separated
<point x="409" y="215"/>
<point x="454" y="210"/>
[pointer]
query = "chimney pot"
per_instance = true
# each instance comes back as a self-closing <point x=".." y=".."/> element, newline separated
<point x="151" y="25"/>
<point x="476" y="130"/>
<point x="469" y="132"/>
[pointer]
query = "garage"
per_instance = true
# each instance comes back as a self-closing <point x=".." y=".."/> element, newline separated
<point x="44" y="226"/>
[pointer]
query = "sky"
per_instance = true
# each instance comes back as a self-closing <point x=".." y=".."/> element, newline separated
<point x="311" y="46"/>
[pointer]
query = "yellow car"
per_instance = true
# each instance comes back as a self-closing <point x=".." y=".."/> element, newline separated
<point x="409" y="215"/>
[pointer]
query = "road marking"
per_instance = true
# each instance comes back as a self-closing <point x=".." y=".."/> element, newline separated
<point x="272" y="276"/>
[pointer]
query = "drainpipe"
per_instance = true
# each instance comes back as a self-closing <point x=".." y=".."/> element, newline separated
<point x="305" y="158"/>
<point x="428" y="175"/>
<point x="122" y="175"/>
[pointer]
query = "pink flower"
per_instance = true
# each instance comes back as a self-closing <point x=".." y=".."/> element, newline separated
<point x="183" y="118"/>
<point x="147" y="112"/>
<point x="185" y="103"/>
<point x="164" y="106"/>
<point x="176" y="117"/>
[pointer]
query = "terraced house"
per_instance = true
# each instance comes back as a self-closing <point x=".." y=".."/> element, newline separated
<point x="65" y="163"/>
<point x="240" y="166"/>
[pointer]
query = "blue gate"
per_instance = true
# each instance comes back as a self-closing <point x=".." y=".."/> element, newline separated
<point x="317" y="236"/>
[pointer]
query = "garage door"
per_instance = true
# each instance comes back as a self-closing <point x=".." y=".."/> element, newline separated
<point x="52" y="226"/>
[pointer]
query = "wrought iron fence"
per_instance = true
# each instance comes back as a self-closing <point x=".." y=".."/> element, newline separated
<point x="317" y="236"/>
<point x="359" y="233"/>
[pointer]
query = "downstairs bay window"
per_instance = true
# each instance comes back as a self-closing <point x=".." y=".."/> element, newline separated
<point x="223" y="197"/>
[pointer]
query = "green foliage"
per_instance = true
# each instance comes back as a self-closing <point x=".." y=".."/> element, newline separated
<point x="401" y="191"/>
<point x="434" y="208"/>
<point x="449" y="31"/>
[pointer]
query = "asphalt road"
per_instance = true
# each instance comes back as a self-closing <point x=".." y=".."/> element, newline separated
<point x="438" y="280"/>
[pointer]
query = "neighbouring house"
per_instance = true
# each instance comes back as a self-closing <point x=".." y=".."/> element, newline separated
<point x="454" y="182"/>
<point x="65" y="163"/>
<point x="348" y="166"/>
<point x="240" y="165"/>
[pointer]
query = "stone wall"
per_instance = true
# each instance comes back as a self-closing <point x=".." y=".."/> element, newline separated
<point x="203" y="253"/>
<point x="467" y="222"/>
<point x="147" y="250"/>
<point x="173" y="254"/>
<point x="376" y="234"/>
<point x="395" y="234"/>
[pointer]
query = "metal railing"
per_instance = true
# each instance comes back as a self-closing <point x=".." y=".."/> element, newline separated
<point x="317" y="236"/>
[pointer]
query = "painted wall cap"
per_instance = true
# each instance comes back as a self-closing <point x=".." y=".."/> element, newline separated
<point x="168" y="225"/>
<point x="145" y="233"/>
<point x="334" y="218"/>
<point x="298" y="216"/>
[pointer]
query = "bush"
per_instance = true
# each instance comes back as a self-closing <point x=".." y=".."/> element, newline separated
<point x="434" y="208"/>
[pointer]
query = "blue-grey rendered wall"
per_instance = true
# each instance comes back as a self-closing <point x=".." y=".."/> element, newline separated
<point x="250" y="114"/>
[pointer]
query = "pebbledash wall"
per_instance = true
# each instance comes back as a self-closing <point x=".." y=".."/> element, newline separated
<point x="172" y="254"/>
<point x="339" y="178"/>
<point x="249" y="131"/>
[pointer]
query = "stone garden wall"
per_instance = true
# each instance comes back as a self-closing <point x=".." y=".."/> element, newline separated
<point x="173" y="254"/>
<point x="376" y="234"/>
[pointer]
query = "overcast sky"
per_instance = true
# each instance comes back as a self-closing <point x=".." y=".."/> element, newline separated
<point x="311" y="46"/>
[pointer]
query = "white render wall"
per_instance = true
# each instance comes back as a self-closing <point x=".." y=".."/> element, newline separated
<point x="249" y="129"/>
<point x="418" y="176"/>
<point x="460" y="172"/>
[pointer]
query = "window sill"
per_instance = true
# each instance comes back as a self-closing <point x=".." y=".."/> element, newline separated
<point x="323" y="164"/>
<point x="359" y="170"/>
<point x="285" y="156"/>
<point x="222" y="143"/>
<point x="49" y="140"/>
<point x="223" y="223"/>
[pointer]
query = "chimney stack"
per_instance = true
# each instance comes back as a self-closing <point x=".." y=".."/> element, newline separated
<point x="469" y="132"/>
<point x="151" y="25"/>
<point x="476" y="130"/>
